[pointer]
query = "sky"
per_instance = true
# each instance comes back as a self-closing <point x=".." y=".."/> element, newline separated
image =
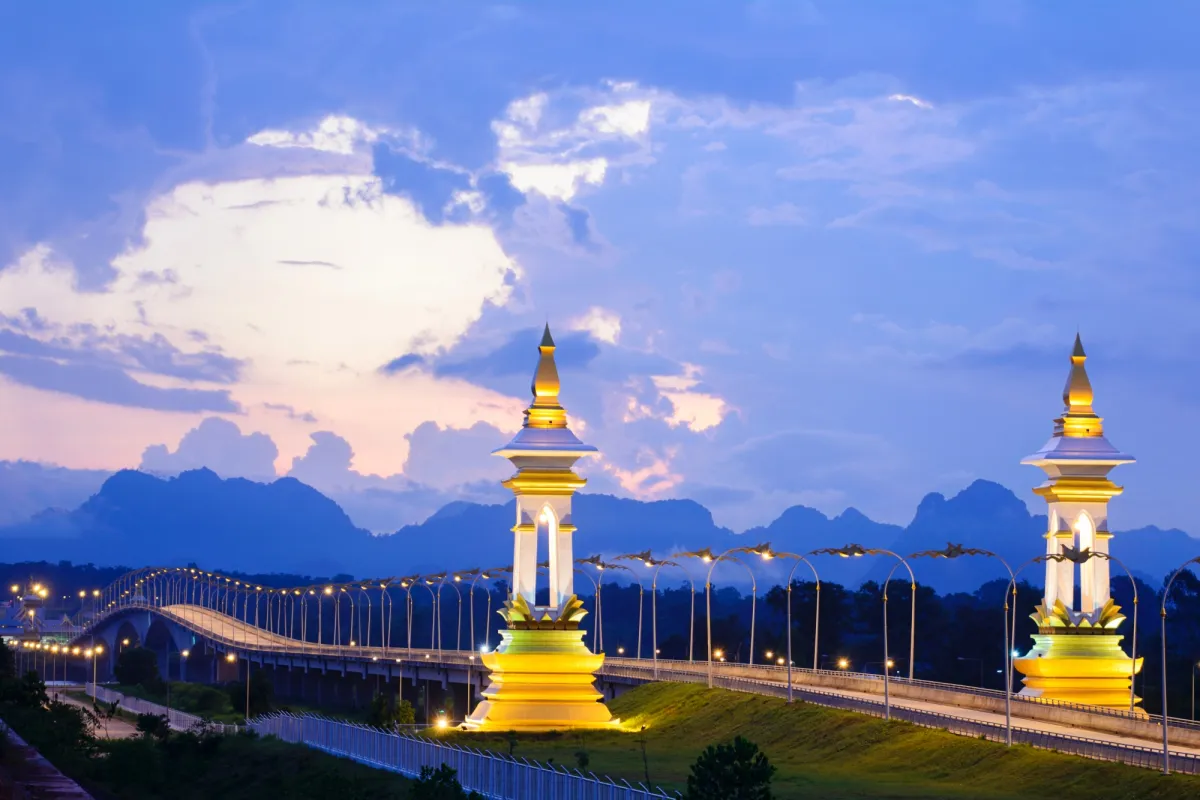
<point x="793" y="252"/>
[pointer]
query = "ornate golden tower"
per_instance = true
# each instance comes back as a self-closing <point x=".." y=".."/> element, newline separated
<point x="542" y="674"/>
<point x="1077" y="655"/>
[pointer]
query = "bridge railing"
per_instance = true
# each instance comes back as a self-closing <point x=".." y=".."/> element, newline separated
<point x="178" y="720"/>
<point x="232" y="633"/>
<point x="491" y="774"/>
<point x="1133" y="755"/>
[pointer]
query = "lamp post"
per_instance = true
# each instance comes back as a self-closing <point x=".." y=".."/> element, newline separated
<point x="595" y="605"/>
<point x="1163" y="614"/>
<point x="705" y="555"/>
<point x="641" y="604"/>
<point x="817" y="619"/>
<point x="854" y="551"/>
<point x="598" y="633"/>
<point x="649" y="561"/>
<point x="952" y="551"/>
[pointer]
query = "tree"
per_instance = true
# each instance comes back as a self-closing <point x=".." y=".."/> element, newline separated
<point x="137" y="666"/>
<point x="153" y="726"/>
<point x="262" y="694"/>
<point x="732" y="771"/>
<point x="8" y="664"/>
<point x="440" y="784"/>
<point x="386" y="713"/>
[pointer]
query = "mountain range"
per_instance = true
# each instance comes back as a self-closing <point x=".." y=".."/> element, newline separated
<point x="287" y="526"/>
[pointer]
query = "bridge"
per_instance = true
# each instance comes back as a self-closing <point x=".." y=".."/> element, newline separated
<point x="331" y="642"/>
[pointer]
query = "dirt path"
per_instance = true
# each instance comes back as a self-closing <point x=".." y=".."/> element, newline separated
<point x="118" y="728"/>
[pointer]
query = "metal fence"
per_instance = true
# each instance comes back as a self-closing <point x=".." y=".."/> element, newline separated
<point x="1134" y="755"/>
<point x="178" y="720"/>
<point x="491" y="774"/>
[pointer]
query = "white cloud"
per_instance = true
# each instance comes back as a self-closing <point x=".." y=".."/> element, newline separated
<point x="312" y="281"/>
<point x="652" y="476"/>
<point x="698" y="411"/>
<point x="557" y="145"/>
<point x="603" y="324"/>
<point x="908" y="98"/>
<point x="333" y="134"/>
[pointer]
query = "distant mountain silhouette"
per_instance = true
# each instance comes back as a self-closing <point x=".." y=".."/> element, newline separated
<point x="801" y="529"/>
<point x="287" y="526"/>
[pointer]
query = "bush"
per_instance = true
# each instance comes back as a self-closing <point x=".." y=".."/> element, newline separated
<point x="733" y="771"/>
<point x="153" y="726"/>
<point x="440" y="784"/>
<point x="386" y="713"/>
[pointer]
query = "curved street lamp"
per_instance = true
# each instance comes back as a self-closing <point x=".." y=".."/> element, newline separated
<point x="953" y="551"/>
<point x="648" y="560"/>
<point x="1163" y="612"/>
<point x="817" y="621"/>
<point x="641" y="604"/>
<point x="856" y="550"/>
<point x="706" y="556"/>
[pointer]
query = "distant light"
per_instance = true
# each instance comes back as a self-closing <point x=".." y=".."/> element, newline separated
<point x="1015" y="654"/>
<point x="483" y="649"/>
<point x="184" y="653"/>
<point x="843" y="663"/>
<point x="779" y="661"/>
<point x="620" y="651"/>
<point x="230" y="657"/>
<point x="770" y="654"/>
<point x="443" y="723"/>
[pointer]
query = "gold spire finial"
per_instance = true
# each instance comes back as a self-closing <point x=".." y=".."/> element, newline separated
<point x="1078" y="419"/>
<point x="545" y="411"/>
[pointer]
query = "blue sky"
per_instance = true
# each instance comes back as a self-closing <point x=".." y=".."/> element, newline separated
<point x="795" y="252"/>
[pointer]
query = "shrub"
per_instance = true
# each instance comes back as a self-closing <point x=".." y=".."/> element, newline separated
<point x="440" y="784"/>
<point x="733" y="771"/>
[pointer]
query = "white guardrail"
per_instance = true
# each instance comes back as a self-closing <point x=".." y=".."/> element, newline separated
<point x="178" y="720"/>
<point x="491" y="774"/>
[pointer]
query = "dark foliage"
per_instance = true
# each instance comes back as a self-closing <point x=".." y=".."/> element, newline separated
<point x="733" y="771"/>
<point x="440" y="784"/>
<point x="137" y="666"/>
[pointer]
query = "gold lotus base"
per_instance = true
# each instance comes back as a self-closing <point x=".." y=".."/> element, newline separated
<point x="1079" y="668"/>
<point x="541" y="680"/>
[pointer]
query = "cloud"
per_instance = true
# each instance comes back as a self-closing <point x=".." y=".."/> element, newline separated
<point x="290" y="412"/>
<point x="518" y="356"/>
<point x="105" y="384"/>
<point x="341" y="135"/>
<point x="604" y="325"/>
<point x="651" y="477"/>
<point x="686" y="406"/>
<point x="446" y="458"/>
<point x="219" y="445"/>
<point x="557" y="146"/>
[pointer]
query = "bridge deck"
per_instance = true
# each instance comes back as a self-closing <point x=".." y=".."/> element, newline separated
<point x="233" y="634"/>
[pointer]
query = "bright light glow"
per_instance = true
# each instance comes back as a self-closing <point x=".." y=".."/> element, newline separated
<point x="15" y="588"/>
<point x="95" y="592"/>
<point x="483" y="649"/>
<point x="843" y="663"/>
<point x="125" y="641"/>
<point x="82" y="593"/>
<point x="779" y="661"/>
<point x="718" y="653"/>
<point x="230" y="658"/>
<point x="770" y="654"/>
<point x="706" y="559"/>
<point x="890" y="663"/>
<point x="352" y="643"/>
<point x="620" y="651"/>
<point x="443" y="722"/>
<point x="184" y="653"/>
<point x="99" y="649"/>
<point x="328" y="590"/>
<point x="88" y="652"/>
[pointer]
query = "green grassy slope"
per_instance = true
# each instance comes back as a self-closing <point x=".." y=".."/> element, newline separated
<point x="822" y="752"/>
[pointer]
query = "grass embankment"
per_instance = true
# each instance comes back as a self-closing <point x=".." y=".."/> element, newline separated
<point x="823" y="752"/>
